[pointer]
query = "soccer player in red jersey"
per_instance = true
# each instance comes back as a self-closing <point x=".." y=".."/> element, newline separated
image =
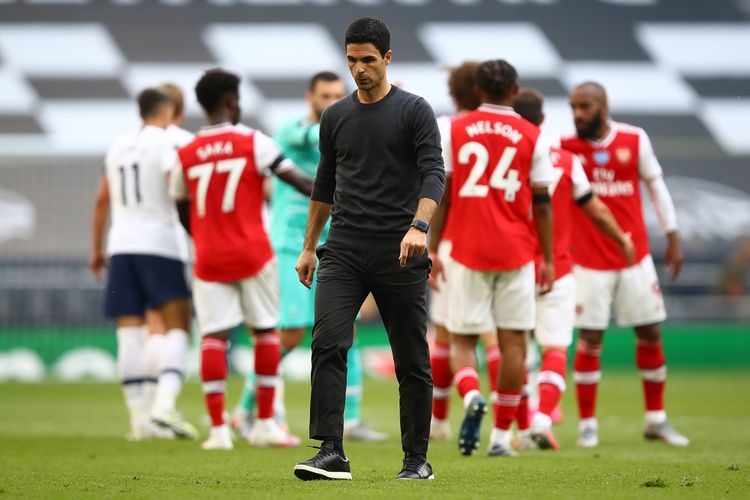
<point x="221" y="172"/>
<point x="555" y="311"/>
<point x="500" y="173"/>
<point x="616" y="157"/>
<point x="461" y="87"/>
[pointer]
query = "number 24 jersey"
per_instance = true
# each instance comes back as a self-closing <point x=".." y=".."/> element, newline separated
<point x="495" y="158"/>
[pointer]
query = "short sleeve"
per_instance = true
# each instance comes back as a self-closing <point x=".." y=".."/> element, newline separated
<point x="581" y="184"/>
<point x="648" y="166"/>
<point x="444" y="126"/>
<point x="542" y="171"/>
<point x="267" y="153"/>
<point x="177" y="187"/>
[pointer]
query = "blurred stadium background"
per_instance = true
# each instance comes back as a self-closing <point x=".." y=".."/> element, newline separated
<point x="69" y="70"/>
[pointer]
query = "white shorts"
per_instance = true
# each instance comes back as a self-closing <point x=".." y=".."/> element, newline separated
<point x="483" y="301"/>
<point x="439" y="298"/>
<point x="633" y="293"/>
<point x="254" y="301"/>
<point x="556" y="313"/>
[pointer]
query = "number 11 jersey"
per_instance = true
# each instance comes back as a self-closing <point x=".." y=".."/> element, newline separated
<point x="143" y="215"/>
<point x="222" y="173"/>
<point x="494" y="158"/>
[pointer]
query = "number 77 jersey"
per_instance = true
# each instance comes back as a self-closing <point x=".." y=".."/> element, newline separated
<point x="495" y="158"/>
<point x="222" y="172"/>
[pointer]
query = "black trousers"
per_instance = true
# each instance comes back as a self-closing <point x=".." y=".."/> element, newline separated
<point x="345" y="277"/>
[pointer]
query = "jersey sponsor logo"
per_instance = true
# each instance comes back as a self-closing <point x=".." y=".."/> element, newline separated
<point x="496" y="128"/>
<point x="215" y="149"/>
<point x="613" y="189"/>
<point x="601" y="157"/>
<point x="623" y="155"/>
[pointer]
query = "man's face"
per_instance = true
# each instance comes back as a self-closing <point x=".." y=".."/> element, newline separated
<point x="589" y="112"/>
<point x="366" y="64"/>
<point x="324" y="94"/>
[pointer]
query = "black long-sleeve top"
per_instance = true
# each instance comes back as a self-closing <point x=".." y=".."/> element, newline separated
<point x="376" y="162"/>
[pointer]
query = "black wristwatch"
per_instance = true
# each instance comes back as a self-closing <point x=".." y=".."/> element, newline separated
<point x="420" y="225"/>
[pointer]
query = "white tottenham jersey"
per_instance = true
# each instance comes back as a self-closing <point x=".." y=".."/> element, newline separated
<point x="143" y="215"/>
<point x="181" y="137"/>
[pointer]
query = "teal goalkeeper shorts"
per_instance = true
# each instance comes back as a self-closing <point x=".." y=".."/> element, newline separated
<point x="297" y="304"/>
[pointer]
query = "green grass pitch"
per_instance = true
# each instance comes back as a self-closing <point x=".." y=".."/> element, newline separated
<point x="66" y="440"/>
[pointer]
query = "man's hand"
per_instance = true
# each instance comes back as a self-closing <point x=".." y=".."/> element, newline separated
<point x="546" y="277"/>
<point x="627" y="248"/>
<point x="97" y="262"/>
<point x="306" y="267"/>
<point x="673" y="254"/>
<point x="437" y="273"/>
<point x="414" y="244"/>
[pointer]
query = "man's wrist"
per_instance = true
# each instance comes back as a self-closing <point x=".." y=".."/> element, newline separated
<point x="420" y="225"/>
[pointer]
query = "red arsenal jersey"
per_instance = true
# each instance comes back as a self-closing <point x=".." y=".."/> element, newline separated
<point x="496" y="157"/>
<point x="614" y="165"/>
<point x="222" y="173"/>
<point x="569" y="184"/>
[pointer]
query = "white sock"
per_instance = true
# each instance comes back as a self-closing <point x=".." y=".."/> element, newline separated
<point x="655" y="417"/>
<point x="153" y="347"/>
<point x="588" y="422"/>
<point x="501" y="436"/>
<point x="541" y="422"/>
<point x="173" y="364"/>
<point x="469" y="396"/>
<point x="131" y="371"/>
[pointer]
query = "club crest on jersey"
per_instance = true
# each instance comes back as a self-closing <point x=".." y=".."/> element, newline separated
<point x="601" y="157"/>
<point x="623" y="155"/>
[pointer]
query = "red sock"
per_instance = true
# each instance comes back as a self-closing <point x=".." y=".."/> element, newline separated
<point x="267" y="357"/>
<point x="466" y="379"/>
<point x="506" y="408"/>
<point x="587" y="374"/>
<point x="440" y="359"/>
<point x="493" y="358"/>
<point x="649" y="356"/>
<point x="552" y="379"/>
<point x="522" y="414"/>
<point x="213" y="375"/>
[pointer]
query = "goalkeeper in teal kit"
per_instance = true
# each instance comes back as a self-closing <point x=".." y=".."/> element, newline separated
<point x="298" y="140"/>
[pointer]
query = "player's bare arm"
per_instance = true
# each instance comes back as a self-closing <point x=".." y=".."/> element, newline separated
<point x="436" y="234"/>
<point x="296" y="178"/>
<point x="316" y="221"/>
<point x="98" y="259"/>
<point x="414" y="243"/>
<point x="542" y="211"/>
<point x="183" y="212"/>
<point x="673" y="254"/>
<point x="603" y="219"/>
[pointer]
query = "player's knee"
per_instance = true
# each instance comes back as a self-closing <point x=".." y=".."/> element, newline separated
<point x="593" y="338"/>
<point x="648" y="333"/>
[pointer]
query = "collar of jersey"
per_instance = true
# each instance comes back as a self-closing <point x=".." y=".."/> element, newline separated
<point x="219" y="128"/>
<point x="496" y="108"/>
<point x="608" y="137"/>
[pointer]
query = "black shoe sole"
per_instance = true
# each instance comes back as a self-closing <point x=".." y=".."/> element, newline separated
<point x="308" y="473"/>
<point x="468" y="436"/>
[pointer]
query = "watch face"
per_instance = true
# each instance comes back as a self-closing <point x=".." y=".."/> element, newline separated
<point x="421" y="225"/>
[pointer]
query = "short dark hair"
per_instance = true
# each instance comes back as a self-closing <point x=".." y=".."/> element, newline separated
<point x="323" y="76"/>
<point x="496" y="78"/>
<point x="369" y="30"/>
<point x="213" y="85"/>
<point x="461" y="83"/>
<point x="528" y="103"/>
<point x="150" y="102"/>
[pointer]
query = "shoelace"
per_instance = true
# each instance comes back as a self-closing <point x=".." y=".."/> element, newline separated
<point x="324" y="451"/>
<point x="413" y="464"/>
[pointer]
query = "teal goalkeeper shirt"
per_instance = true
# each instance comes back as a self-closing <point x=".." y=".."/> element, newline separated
<point x="298" y="140"/>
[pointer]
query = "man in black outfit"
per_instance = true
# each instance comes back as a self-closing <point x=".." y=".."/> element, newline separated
<point x="380" y="178"/>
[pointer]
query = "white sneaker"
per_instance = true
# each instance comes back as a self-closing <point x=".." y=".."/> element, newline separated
<point x="266" y="432"/>
<point x="440" y="430"/>
<point x="219" y="438"/>
<point x="665" y="432"/>
<point x="360" y="431"/>
<point x="242" y="422"/>
<point x="173" y="420"/>
<point x="501" y="444"/>
<point x="588" y="433"/>
<point x="524" y="441"/>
